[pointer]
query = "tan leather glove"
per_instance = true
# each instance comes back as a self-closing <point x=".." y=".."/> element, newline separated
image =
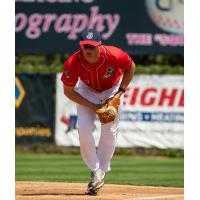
<point x="108" y="112"/>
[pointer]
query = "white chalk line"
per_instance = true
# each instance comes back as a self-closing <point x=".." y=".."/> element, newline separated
<point x="156" y="197"/>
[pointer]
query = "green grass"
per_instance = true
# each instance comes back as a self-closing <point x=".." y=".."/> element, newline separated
<point x="125" y="169"/>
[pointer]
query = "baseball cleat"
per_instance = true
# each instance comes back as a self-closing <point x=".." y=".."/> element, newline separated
<point x="96" y="182"/>
<point x="91" y="192"/>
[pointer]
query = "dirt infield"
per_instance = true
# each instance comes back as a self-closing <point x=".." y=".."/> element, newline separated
<point x="26" y="190"/>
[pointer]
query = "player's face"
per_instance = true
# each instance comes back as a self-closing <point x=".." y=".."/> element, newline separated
<point x="90" y="52"/>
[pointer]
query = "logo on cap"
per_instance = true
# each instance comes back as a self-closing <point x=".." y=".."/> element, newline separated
<point x="89" y="35"/>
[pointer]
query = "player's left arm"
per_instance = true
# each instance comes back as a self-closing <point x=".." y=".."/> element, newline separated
<point x="126" y="79"/>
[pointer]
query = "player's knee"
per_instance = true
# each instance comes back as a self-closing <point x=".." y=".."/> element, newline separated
<point x="85" y="130"/>
<point x="110" y="130"/>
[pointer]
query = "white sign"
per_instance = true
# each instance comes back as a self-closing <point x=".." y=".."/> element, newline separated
<point x="153" y="114"/>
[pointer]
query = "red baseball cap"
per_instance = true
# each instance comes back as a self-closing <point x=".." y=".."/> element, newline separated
<point x="91" y="37"/>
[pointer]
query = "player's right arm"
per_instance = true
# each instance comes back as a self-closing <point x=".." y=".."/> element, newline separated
<point x="69" y="78"/>
<point x="71" y="93"/>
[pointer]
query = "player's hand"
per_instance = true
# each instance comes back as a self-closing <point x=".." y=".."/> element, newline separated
<point x="113" y="101"/>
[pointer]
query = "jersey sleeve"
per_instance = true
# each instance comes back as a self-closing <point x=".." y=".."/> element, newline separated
<point x="124" y="60"/>
<point x="69" y="76"/>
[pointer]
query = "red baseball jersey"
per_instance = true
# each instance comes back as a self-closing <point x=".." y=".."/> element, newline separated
<point x="100" y="76"/>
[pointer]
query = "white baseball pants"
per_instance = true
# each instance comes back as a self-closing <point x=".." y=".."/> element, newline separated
<point x="101" y="157"/>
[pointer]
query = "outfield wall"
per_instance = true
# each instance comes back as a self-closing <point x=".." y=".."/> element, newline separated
<point x="34" y="108"/>
<point x="153" y="114"/>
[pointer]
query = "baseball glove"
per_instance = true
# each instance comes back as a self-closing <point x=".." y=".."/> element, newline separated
<point x="108" y="112"/>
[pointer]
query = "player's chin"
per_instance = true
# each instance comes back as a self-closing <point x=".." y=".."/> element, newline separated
<point x="89" y="57"/>
<point x="88" y="54"/>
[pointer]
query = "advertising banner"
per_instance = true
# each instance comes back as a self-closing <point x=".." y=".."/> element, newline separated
<point x="34" y="108"/>
<point x="152" y="116"/>
<point x="138" y="27"/>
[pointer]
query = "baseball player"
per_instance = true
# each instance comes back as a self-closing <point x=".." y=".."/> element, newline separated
<point x="100" y="73"/>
